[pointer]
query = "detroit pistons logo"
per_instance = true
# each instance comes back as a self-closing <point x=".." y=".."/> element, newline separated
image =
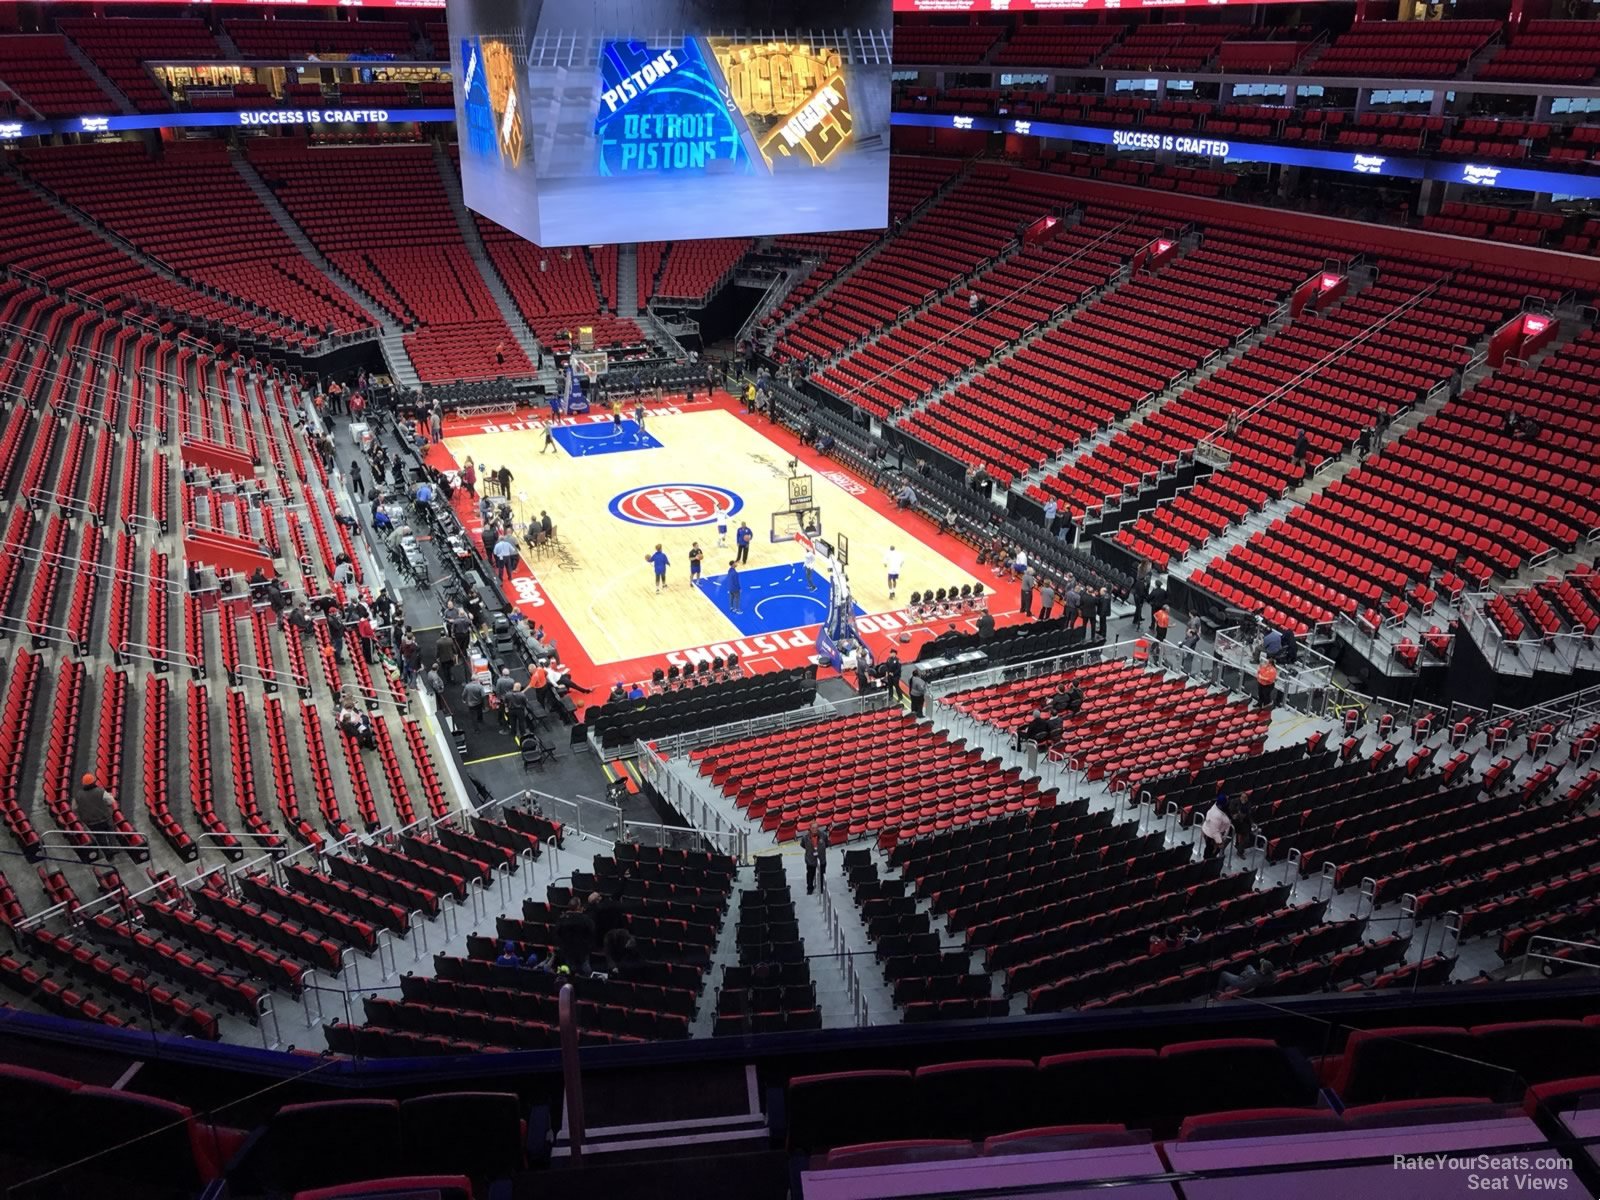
<point x="674" y="505"/>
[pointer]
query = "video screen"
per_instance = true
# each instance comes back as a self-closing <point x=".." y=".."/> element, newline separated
<point x="584" y="122"/>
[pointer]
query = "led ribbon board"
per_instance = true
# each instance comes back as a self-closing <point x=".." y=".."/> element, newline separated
<point x="662" y="109"/>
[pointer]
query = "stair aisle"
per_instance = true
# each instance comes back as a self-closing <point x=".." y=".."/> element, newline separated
<point x="627" y="280"/>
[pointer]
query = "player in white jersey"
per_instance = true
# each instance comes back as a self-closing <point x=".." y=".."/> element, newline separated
<point x="722" y="523"/>
<point x="892" y="562"/>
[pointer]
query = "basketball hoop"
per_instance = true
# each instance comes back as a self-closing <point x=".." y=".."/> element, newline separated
<point x="591" y="364"/>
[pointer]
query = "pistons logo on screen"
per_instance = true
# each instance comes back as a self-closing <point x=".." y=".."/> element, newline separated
<point x="674" y="505"/>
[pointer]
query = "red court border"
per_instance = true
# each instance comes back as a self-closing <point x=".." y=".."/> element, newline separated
<point x="791" y="648"/>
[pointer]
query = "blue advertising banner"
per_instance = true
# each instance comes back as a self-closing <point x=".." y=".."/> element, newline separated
<point x="1230" y="150"/>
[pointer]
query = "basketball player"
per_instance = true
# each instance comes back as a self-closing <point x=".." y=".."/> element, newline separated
<point x="549" y="438"/>
<point x="659" y="560"/>
<point x="722" y="524"/>
<point x="638" y="417"/>
<point x="733" y="586"/>
<point x="811" y="563"/>
<point x="892" y="562"/>
<point x="696" y="556"/>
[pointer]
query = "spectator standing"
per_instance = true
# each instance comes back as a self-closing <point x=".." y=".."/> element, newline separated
<point x="336" y="634"/>
<point x="891" y="673"/>
<point x="1161" y="620"/>
<point x="476" y="696"/>
<point x="1141" y="590"/>
<point x="1217" y="827"/>
<point x="1025" y="601"/>
<point x="1266" y="682"/>
<point x="1047" y="600"/>
<point x="444" y="658"/>
<point x="505" y="557"/>
<point x="919" y="693"/>
<point x="1191" y="641"/>
<point x="808" y="847"/>
<point x="98" y="814"/>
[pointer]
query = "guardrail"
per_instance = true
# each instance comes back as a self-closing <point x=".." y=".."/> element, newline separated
<point x="705" y="823"/>
<point x="1518" y="656"/>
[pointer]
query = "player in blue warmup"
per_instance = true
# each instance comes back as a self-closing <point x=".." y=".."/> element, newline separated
<point x="733" y="586"/>
<point x="744" y="537"/>
<point x="659" y="561"/>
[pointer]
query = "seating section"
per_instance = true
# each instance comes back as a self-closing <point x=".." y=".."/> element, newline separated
<point x="301" y="38"/>
<point x="121" y="46"/>
<point x="231" y="244"/>
<point x="676" y="707"/>
<point x="450" y="1145"/>
<point x="504" y="994"/>
<point x="1562" y="609"/>
<point x="1489" y="1061"/>
<point x="1411" y="49"/>
<point x="1170" y="46"/>
<point x="914" y="43"/>
<point x="1134" y="725"/>
<point x="401" y="246"/>
<point x="1544" y="51"/>
<point x="692" y="272"/>
<point x="1522" y="227"/>
<point x="38" y="68"/>
<point x="53" y="247"/>
<point x="554" y="291"/>
<point x="1139" y="1088"/>
<point x="932" y="252"/>
<point x="1055" y="45"/>
<point x="1455" y="497"/>
<point x="875" y="774"/>
<point x="1101" y="363"/>
<point x="770" y="989"/>
<point x="1018" y="290"/>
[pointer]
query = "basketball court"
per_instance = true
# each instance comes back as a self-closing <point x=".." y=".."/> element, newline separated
<point x="615" y="492"/>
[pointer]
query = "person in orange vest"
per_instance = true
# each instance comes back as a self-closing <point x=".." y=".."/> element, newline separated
<point x="1161" y="620"/>
<point x="1266" y="681"/>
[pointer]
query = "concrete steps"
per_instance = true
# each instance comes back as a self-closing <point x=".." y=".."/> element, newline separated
<point x="398" y="360"/>
<point x="520" y="331"/>
<point x="627" y="282"/>
<point x="124" y="105"/>
<point x="268" y="199"/>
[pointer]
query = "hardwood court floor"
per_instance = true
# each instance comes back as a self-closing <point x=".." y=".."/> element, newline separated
<point x="598" y="579"/>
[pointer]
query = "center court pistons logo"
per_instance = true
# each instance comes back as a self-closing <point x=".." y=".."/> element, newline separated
<point x="674" y="505"/>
